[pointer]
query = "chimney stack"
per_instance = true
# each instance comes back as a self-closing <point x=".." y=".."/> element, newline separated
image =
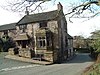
<point x="27" y="12"/>
<point x="60" y="7"/>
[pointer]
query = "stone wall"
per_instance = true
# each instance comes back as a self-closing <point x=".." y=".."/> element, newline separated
<point x="25" y="52"/>
<point x="48" y="56"/>
<point x="1" y="33"/>
<point x="11" y="51"/>
<point x="59" y="31"/>
<point x="53" y="26"/>
<point x="12" y="33"/>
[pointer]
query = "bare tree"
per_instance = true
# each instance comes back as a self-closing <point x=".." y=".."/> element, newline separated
<point x="22" y="5"/>
<point x="92" y="6"/>
<point x="86" y="5"/>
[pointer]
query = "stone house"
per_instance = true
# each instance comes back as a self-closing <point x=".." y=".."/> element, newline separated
<point x="44" y="36"/>
<point x="8" y="30"/>
<point x="7" y="33"/>
<point x="49" y="33"/>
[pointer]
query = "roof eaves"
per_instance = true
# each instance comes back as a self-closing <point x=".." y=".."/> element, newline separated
<point x="11" y="26"/>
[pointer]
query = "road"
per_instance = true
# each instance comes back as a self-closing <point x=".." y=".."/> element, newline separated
<point x="73" y="67"/>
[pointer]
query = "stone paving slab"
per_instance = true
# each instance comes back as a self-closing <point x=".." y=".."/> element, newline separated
<point x="14" y="57"/>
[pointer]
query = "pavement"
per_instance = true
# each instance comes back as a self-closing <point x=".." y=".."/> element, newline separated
<point x="73" y="67"/>
<point x="28" y="60"/>
<point x="15" y="57"/>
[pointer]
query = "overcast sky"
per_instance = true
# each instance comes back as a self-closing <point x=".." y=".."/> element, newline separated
<point x="78" y="27"/>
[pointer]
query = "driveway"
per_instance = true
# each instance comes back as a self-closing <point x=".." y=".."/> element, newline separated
<point x="73" y="67"/>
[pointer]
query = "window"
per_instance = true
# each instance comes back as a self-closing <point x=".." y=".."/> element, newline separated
<point x="23" y="27"/>
<point x="65" y="26"/>
<point x="43" y="24"/>
<point x="23" y="43"/>
<point x="66" y="42"/>
<point x="5" y="32"/>
<point x="41" y="42"/>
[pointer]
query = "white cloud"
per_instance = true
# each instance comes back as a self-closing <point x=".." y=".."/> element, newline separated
<point x="84" y="28"/>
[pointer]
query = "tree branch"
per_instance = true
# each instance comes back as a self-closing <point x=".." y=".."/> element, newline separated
<point x="81" y="8"/>
<point x="38" y="6"/>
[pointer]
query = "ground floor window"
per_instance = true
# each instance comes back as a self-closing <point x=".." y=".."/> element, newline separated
<point x="41" y="42"/>
<point x="23" y="43"/>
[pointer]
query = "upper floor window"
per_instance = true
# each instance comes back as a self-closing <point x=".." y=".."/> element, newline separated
<point x="23" y="27"/>
<point x="43" y="24"/>
<point x="65" y="26"/>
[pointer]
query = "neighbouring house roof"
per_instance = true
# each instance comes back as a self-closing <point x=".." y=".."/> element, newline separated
<point x="69" y="37"/>
<point x="10" y="26"/>
<point x="38" y="17"/>
<point x="22" y="36"/>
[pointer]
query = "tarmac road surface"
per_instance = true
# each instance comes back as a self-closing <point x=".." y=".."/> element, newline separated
<point x="73" y="67"/>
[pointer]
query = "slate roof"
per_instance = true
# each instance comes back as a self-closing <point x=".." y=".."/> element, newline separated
<point x="10" y="26"/>
<point x="38" y="17"/>
<point x="69" y="37"/>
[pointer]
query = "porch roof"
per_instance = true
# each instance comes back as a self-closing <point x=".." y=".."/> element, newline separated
<point x="20" y="37"/>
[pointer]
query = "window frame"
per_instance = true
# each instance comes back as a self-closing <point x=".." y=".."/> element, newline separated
<point x="43" y="24"/>
<point x="6" y="32"/>
<point x="23" y="27"/>
<point x="41" y="42"/>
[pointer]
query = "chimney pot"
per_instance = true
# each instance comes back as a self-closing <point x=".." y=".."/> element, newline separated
<point x="60" y="7"/>
<point x="27" y="12"/>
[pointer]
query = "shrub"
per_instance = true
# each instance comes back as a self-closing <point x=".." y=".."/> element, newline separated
<point x="7" y="43"/>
